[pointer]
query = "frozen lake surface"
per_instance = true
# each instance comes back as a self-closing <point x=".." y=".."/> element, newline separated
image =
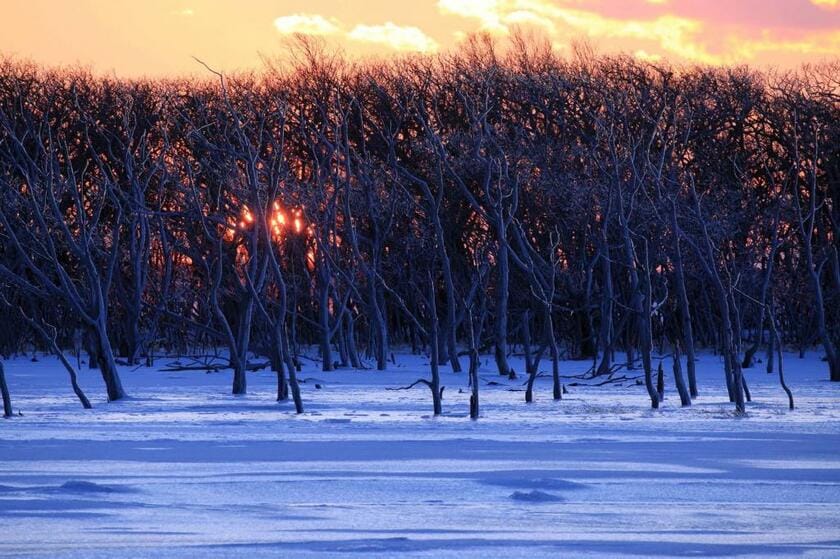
<point x="184" y="469"/>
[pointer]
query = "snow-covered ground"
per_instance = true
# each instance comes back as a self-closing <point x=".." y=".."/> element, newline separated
<point x="183" y="469"/>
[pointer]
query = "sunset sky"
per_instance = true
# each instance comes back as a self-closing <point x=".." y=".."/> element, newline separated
<point x="159" y="37"/>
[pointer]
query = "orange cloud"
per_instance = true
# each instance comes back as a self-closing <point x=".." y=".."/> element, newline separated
<point x="674" y="34"/>
<point x="398" y="37"/>
<point x="488" y="12"/>
<point x="830" y="4"/>
<point x="822" y="44"/>
<point x="685" y="38"/>
<point x="305" y="24"/>
<point x="389" y="34"/>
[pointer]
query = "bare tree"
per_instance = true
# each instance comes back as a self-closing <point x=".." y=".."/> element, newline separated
<point x="60" y="216"/>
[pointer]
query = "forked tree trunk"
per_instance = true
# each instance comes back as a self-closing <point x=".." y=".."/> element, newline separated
<point x="731" y="362"/>
<point x="240" y="364"/>
<point x="641" y="309"/>
<point x="732" y="365"/>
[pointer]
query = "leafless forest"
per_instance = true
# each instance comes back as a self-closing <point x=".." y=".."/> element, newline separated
<point x="592" y="208"/>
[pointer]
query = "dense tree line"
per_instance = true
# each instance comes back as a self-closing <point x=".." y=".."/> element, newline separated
<point x="596" y="208"/>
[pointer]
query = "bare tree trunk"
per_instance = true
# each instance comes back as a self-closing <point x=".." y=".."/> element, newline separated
<point x="451" y="323"/>
<point x="240" y="384"/>
<point x="630" y="353"/>
<point x="133" y="339"/>
<point x="660" y="382"/>
<point x="290" y="365"/>
<point x="278" y="364"/>
<point x="745" y="389"/>
<point x="555" y="355"/>
<point x="48" y="333"/>
<point x="381" y="328"/>
<point x="473" y="372"/>
<point x="765" y="287"/>
<point x="605" y="337"/>
<point x="324" y="321"/>
<point x="643" y="310"/>
<point x="531" y="367"/>
<point x="782" y="378"/>
<point x="807" y="225"/>
<point x="433" y="343"/>
<point x="4" y="391"/>
<point x="831" y="353"/>
<point x="350" y="337"/>
<point x="91" y="348"/>
<point x="732" y="365"/>
<point x="641" y="304"/>
<point x="107" y="364"/>
<point x="74" y="381"/>
<point x="343" y="354"/>
<point x="771" y="348"/>
<point x="282" y="385"/>
<point x="443" y="347"/>
<point x="685" y="397"/>
<point x="502" y="295"/>
<point x="774" y="333"/>
<point x="685" y="310"/>
<point x="240" y="365"/>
